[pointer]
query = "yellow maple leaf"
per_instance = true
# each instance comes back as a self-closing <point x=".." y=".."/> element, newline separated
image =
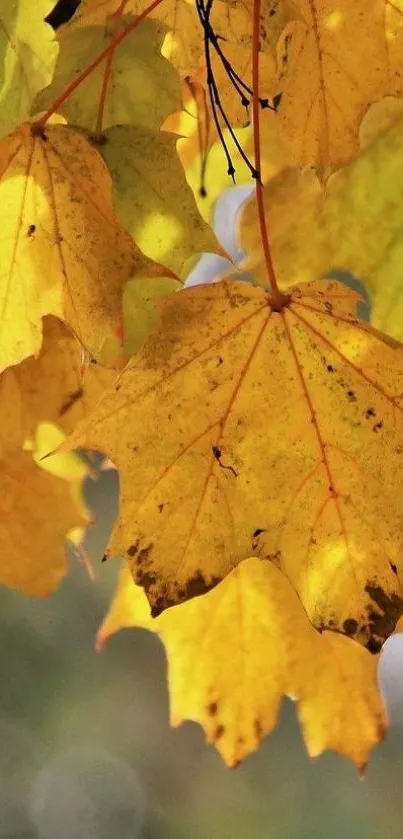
<point x="234" y="653"/>
<point x="58" y="386"/>
<point x="326" y="79"/>
<point x="63" y="251"/>
<point x="274" y="434"/>
<point x="33" y="501"/>
<point x="41" y="499"/>
<point x="152" y="197"/>
<point x="232" y="21"/>
<point x="184" y="43"/>
<point x="353" y="225"/>
<point x="142" y="87"/>
<point x="28" y="52"/>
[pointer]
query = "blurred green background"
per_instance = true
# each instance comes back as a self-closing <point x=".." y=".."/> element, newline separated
<point x="86" y="751"/>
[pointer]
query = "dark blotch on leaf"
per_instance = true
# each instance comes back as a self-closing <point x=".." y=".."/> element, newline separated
<point x="258" y="729"/>
<point x="382" y="621"/>
<point x="350" y="626"/>
<point x="377" y="426"/>
<point x="145" y="579"/>
<point x="197" y="586"/>
<point x="212" y="708"/>
<point x="143" y="554"/>
<point x="373" y="646"/>
<point x="218" y="732"/>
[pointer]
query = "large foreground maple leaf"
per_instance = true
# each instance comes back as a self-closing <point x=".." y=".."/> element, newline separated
<point x="241" y="431"/>
<point x="235" y="652"/>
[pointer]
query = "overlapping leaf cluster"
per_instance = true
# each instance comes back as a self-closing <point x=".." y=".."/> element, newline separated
<point x="257" y="428"/>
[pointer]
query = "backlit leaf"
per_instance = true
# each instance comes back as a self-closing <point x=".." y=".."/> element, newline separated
<point x="152" y="198"/>
<point x="142" y="86"/>
<point x="37" y="510"/>
<point x="63" y="251"/>
<point x="273" y="434"/>
<point x="334" y="62"/>
<point x="28" y="52"/>
<point x="234" y="653"/>
<point x="58" y="386"/>
<point x="355" y="225"/>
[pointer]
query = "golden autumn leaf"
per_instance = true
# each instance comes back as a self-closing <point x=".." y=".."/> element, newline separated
<point x="354" y="225"/>
<point x="333" y="62"/>
<point x="28" y="52"/>
<point x="234" y="653"/>
<point x="272" y="434"/>
<point x="184" y="43"/>
<point x="232" y="20"/>
<point x="33" y="501"/>
<point x="142" y="86"/>
<point x="58" y="386"/>
<point x="41" y="499"/>
<point x="151" y="195"/>
<point x="63" y="251"/>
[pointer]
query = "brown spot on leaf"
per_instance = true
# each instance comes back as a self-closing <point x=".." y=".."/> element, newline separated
<point x="350" y="626"/>
<point x="383" y="619"/>
<point x="373" y="646"/>
<point x="218" y="732"/>
<point x="146" y="579"/>
<point x="133" y="550"/>
<point x="212" y="708"/>
<point x="143" y="554"/>
<point x="198" y="585"/>
<point x="258" y="729"/>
